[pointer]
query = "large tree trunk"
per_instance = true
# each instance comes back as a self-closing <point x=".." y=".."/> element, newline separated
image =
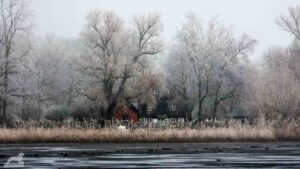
<point x="39" y="108"/>
<point x="200" y="104"/>
<point x="4" y="104"/>
<point x="110" y="110"/>
<point x="214" y="113"/>
<point x="5" y="81"/>
<point x="114" y="102"/>
<point x="216" y="102"/>
<point x="200" y="111"/>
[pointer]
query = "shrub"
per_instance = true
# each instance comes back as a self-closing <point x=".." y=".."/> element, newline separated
<point x="57" y="113"/>
<point x="84" y="112"/>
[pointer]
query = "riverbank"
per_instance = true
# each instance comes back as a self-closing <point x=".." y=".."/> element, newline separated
<point x="156" y="155"/>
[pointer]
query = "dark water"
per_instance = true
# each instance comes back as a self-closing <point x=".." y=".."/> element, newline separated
<point x="159" y="155"/>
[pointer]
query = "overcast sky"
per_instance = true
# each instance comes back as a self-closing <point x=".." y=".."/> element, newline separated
<point x="65" y="18"/>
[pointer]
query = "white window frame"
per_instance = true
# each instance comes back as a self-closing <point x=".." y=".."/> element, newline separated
<point x="135" y="104"/>
<point x="172" y="107"/>
<point x="149" y="108"/>
<point x="156" y="92"/>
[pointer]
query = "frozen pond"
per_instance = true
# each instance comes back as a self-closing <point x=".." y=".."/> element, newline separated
<point x="159" y="155"/>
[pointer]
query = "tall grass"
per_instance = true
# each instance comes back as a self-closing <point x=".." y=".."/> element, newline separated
<point x="66" y="135"/>
<point x="235" y="132"/>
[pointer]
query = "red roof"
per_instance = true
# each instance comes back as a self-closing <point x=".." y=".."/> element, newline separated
<point x="126" y="111"/>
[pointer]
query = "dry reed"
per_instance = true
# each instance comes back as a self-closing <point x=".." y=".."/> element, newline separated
<point x="67" y="135"/>
<point x="259" y="132"/>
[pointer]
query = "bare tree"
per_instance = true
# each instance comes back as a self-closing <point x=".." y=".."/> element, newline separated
<point x="117" y="53"/>
<point x="45" y="79"/>
<point x="15" y="25"/>
<point x="285" y="62"/>
<point x="294" y="58"/>
<point x="291" y="23"/>
<point x="179" y="70"/>
<point x="277" y="89"/>
<point x="207" y="57"/>
<point x="194" y="49"/>
<point x="225" y="80"/>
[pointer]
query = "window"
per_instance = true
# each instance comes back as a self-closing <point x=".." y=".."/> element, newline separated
<point x="149" y="108"/>
<point x="135" y="104"/>
<point x="172" y="107"/>
<point x="156" y="91"/>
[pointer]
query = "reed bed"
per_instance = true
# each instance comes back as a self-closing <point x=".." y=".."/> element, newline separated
<point x="67" y="135"/>
<point x="233" y="133"/>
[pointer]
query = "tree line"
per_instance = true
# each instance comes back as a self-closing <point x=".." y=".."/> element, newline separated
<point x="114" y="62"/>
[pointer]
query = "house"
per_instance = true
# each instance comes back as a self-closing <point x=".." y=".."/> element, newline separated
<point x="238" y="115"/>
<point x="167" y="106"/>
<point x="126" y="114"/>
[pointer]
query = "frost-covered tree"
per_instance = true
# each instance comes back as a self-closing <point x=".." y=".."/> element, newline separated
<point x="276" y="88"/>
<point x="116" y="54"/>
<point x="207" y="56"/>
<point x="46" y="78"/>
<point x="15" y="25"/>
<point x="291" y="24"/>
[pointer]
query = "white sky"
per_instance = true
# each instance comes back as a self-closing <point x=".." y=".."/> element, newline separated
<point x="65" y="18"/>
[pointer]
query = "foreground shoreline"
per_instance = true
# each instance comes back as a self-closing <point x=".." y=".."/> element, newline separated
<point x="156" y="155"/>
